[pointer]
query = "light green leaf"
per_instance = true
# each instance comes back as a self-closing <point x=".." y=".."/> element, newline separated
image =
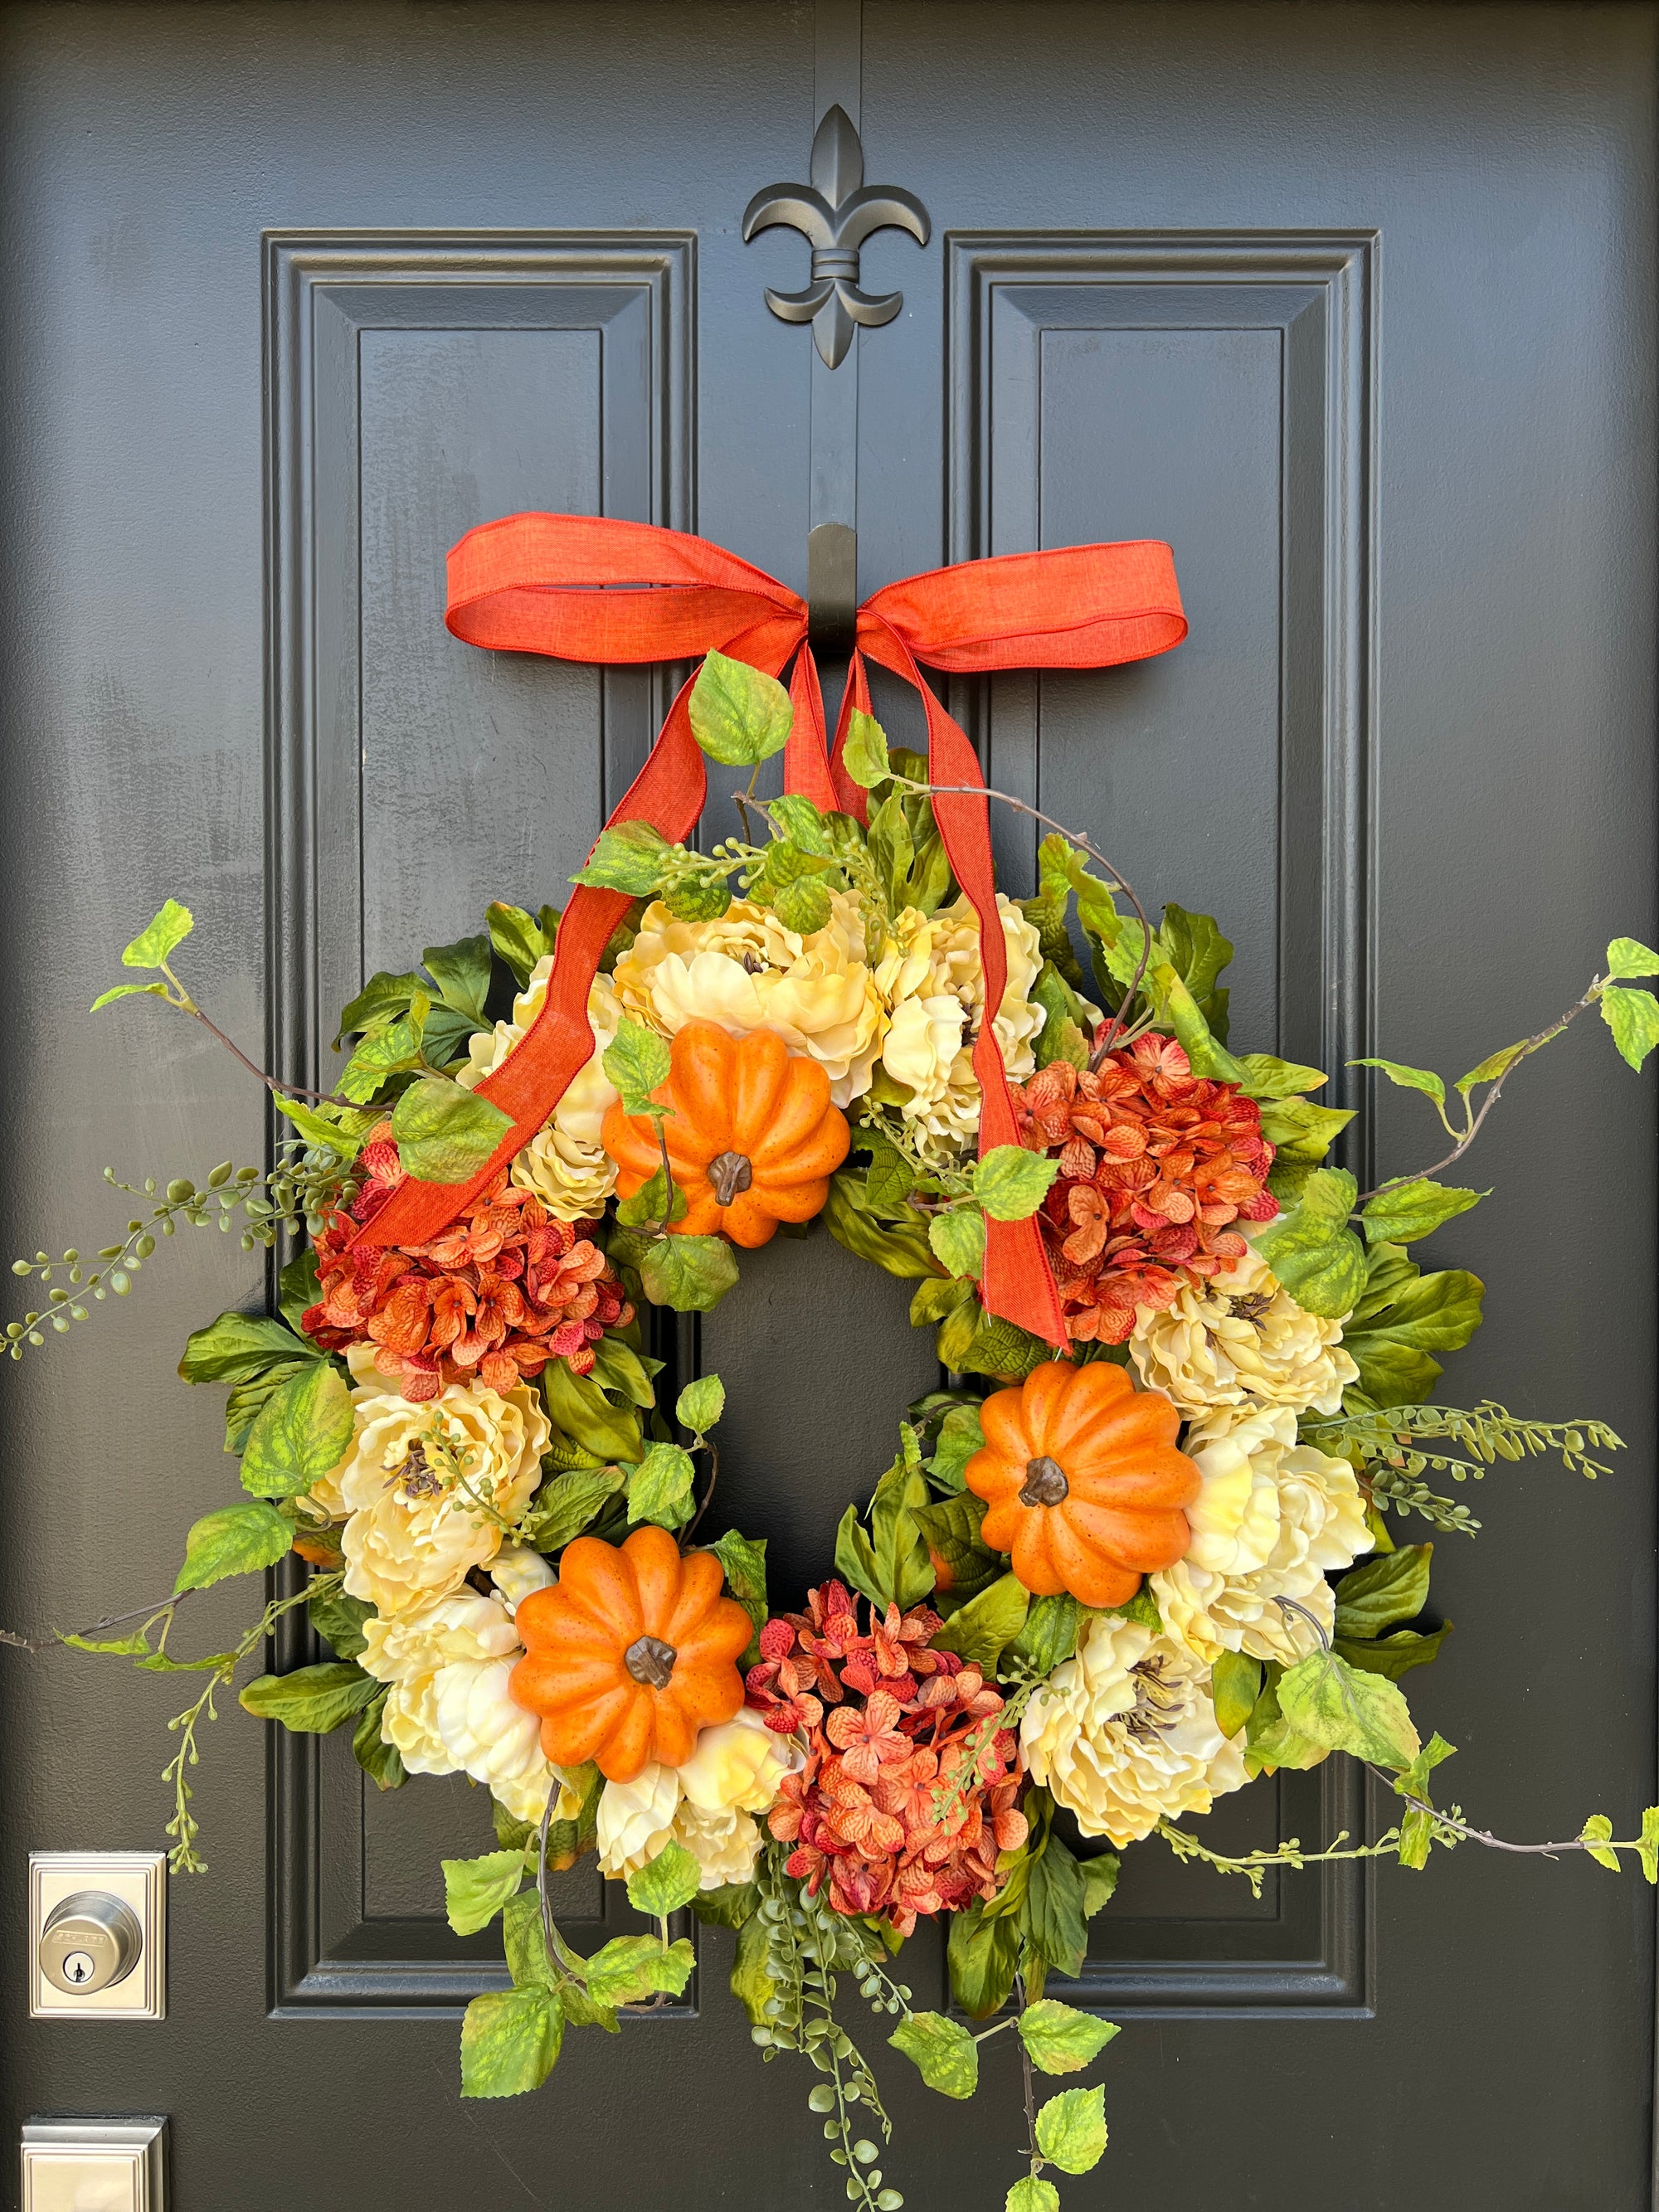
<point x="1011" y="1184"/>
<point x="237" y="1540"/>
<point x="1317" y="1257"/>
<point x="461" y="972"/>
<point x="510" y="2042"/>
<point x="942" y="2051"/>
<point x="1061" y="2039"/>
<point x="751" y="1983"/>
<point x="960" y="1436"/>
<point x="1335" y="1705"/>
<point x="664" y="1883"/>
<point x="634" y="1966"/>
<point x="311" y="1700"/>
<point x="238" y="1345"/>
<point x="1597" y="1830"/>
<point x="1495" y="1065"/>
<point x="637" y="1061"/>
<point x="159" y="937"/>
<point x="865" y="754"/>
<point x="645" y="1210"/>
<point x="1180" y="1010"/>
<point x="744" y="1558"/>
<point x="632" y="857"/>
<point x="1300" y="1131"/>
<point x="738" y="715"/>
<point x="385" y="1052"/>
<point x="1408" y="1079"/>
<point x="802" y="905"/>
<point x="128" y="991"/>
<point x="1235" y="1684"/>
<point x="659" y="1487"/>
<point x="1647" y="1848"/>
<point x="340" y="1132"/>
<point x="301" y="1433"/>
<point x="445" y="1134"/>
<point x="689" y="1274"/>
<point x="521" y="939"/>
<point x="701" y="1404"/>
<point x="980" y="1630"/>
<point x="1032" y="2195"/>
<point x="1392" y="1588"/>
<point x="1417" y="1828"/>
<point x="1099" y="1881"/>
<point x="617" y="1366"/>
<point x="802" y="824"/>
<point x="1271" y="1743"/>
<point x="957" y="1239"/>
<point x="1627" y="958"/>
<point x="243" y="1407"/>
<point x="1633" y="1017"/>
<point x="475" y="1890"/>
<point x="1408" y="1210"/>
<point x="1267" y="1077"/>
<point x="564" y="1506"/>
<point x="1071" y="2130"/>
<point x="1403" y="1316"/>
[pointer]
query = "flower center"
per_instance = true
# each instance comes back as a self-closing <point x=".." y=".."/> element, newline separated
<point x="650" y="1660"/>
<point x="753" y="963"/>
<point x="728" y="1173"/>
<point x="415" y="1478"/>
<point x="1045" y="1482"/>
<point x="1252" y="1306"/>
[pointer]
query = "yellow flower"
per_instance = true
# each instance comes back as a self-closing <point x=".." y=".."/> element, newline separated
<point x="705" y="1805"/>
<point x="1241" y="1338"/>
<point x="1124" y="1733"/>
<point x="747" y="972"/>
<point x="564" y="1163"/>
<point x="428" y="1486"/>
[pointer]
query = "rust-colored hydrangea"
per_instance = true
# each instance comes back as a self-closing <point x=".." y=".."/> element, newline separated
<point x="1156" y="1165"/>
<point x="505" y="1288"/>
<point x="907" y="1795"/>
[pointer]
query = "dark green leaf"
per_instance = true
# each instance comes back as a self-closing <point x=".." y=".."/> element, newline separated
<point x="984" y="1955"/>
<point x="461" y="972"/>
<point x="964" y="1565"/>
<point x="311" y="1700"/>
<point x="689" y="1274"/>
<point x="942" y="2051"/>
<point x="381" y="1761"/>
<point x="301" y="1433"/>
<point x="1391" y="1587"/>
<point x="1196" y="950"/>
<point x="567" y="1503"/>
<point x="1052" y="1918"/>
<point x="338" y="1619"/>
<point x="445" y="1134"/>
<point x="1407" y="1211"/>
<point x="617" y="1366"/>
<point x="238" y="1345"/>
<point x="510" y="2042"/>
<point x="301" y="1288"/>
<point x="579" y="1409"/>
<point x="1099" y="1881"/>
<point x="959" y="1438"/>
<point x="729" y="1907"/>
<point x="982" y="1630"/>
<point x="520" y="938"/>
<point x="1402" y="1317"/>
<point x="1393" y="1655"/>
<point x="1050" y="1634"/>
<point x="237" y="1540"/>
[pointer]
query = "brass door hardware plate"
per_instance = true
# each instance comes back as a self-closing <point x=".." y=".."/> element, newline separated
<point x="98" y="1934"/>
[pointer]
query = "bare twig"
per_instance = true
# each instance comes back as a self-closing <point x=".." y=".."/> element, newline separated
<point x="36" y="1645"/>
<point x="713" y="1450"/>
<point x="1497" y="1843"/>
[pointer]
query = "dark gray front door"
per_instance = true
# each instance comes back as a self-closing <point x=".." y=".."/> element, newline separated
<point x="1352" y="304"/>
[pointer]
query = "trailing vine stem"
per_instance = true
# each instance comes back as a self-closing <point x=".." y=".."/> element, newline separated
<point x="186" y="1004"/>
<point x="1037" y="2160"/>
<point x="1462" y="1829"/>
<point x="148" y="1614"/>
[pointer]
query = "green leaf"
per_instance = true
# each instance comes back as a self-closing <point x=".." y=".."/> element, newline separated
<point x="942" y="2051"/>
<point x="744" y="1558"/>
<point x="1050" y="1634"/>
<point x="951" y="1528"/>
<point x="1314" y="1254"/>
<point x="381" y="1761"/>
<point x="1633" y="1017"/>
<point x="1265" y="1077"/>
<point x="1060" y="2039"/>
<point x="632" y="857"/>
<point x="1177" y="1006"/>
<point x="339" y="1621"/>
<point x="659" y="1487"/>
<point x="445" y="1134"/>
<point x="701" y="1404"/>
<point x="1392" y="1588"/>
<point x="523" y="1938"/>
<point x="521" y="939"/>
<point x="1271" y="1743"/>
<point x="1410" y="1210"/>
<point x="634" y="1966"/>
<point x="890" y="1565"/>
<point x="645" y="1210"/>
<point x="339" y="1132"/>
<point x="510" y="2042"/>
<point x="564" y="1506"/>
<point x="1393" y="1655"/>
<point x="617" y="1366"/>
<point x="1197" y="950"/>
<point x="301" y="1433"/>
<point x="1032" y="2195"/>
<point x="803" y="906"/>
<point x="237" y="1540"/>
<point x="1402" y="1317"/>
<point x="243" y="1407"/>
<point x="128" y="991"/>
<point x="1052" y="1918"/>
<point x="957" y="1239"/>
<point x="1597" y="1830"/>
<point x="311" y="1700"/>
<point x="159" y="937"/>
<point x="1338" y="1706"/>
<point x="1071" y="2130"/>
<point x="980" y="1630"/>
<point x="730" y="1905"/>
<point x="901" y="1249"/>
<point x="1647" y="1848"/>
<point x="689" y="1274"/>
<point x="984" y="1955"/>
<point x="637" y="1061"/>
<point x="802" y="824"/>
<point x="579" y="1410"/>
<point x="1495" y="1065"/>
<point x="475" y="1890"/>
<point x="1099" y="1881"/>
<point x="1011" y="1184"/>
<point x="974" y="1342"/>
<point x="665" y="1882"/>
<point x="751" y="1985"/>
<point x="1626" y="957"/>
<point x="461" y="972"/>
<point x="738" y="715"/>
<point x="865" y="754"/>
<point x="1409" y="1079"/>
<point x="301" y="1287"/>
<point x="960" y="1436"/>
<point x="1235" y="1684"/>
<point x="1302" y="1132"/>
<point x="238" y="1345"/>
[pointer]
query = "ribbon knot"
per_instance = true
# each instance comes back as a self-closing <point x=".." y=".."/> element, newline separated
<point x="579" y="588"/>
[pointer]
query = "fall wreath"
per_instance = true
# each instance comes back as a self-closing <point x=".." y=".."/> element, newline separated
<point x="1137" y="1554"/>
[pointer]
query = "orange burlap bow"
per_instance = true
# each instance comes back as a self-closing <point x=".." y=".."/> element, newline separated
<point x="579" y="588"/>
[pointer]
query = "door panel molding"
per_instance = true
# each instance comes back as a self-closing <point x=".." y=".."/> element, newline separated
<point x="374" y="340"/>
<point x="1044" y="329"/>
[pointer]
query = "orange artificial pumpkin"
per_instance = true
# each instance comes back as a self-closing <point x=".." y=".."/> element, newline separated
<point x="1083" y="1481"/>
<point x="631" y="1654"/>
<point x="753" y="1138"/>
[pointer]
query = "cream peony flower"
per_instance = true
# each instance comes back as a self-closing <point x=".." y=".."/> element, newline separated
<point x="705" y="1804"/>
<point x="448" y="1708"/>
<point x="564" y="1163"/>
<point x="935" y="989"/>
<point x="516" y="1570"/>
<point x="746" y="971"/>
<point x="1272" y="1516"/>
<point x="426" y="1487"/>
<point x="1124" y="1733"/>
<point x="1241" y="1340"/>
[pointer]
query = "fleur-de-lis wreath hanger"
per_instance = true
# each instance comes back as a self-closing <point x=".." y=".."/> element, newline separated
<point x="835" y="213"/>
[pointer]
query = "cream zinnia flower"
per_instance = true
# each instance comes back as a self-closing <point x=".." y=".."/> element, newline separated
<point x="1124" y="1733"/>
<point x="426" y="1487"/>
<point x="448" y="1710"/>
<point x="1241" y="1338"/>
<point x="935" y="989"/>
<point x="1272" y="1516"/>
<point x="706" y="1804"/>
<point x="746" y="971"/>
<point x="564" y="1163"/>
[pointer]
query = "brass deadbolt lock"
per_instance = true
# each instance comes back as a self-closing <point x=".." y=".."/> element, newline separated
<point x="91" y="1941"/>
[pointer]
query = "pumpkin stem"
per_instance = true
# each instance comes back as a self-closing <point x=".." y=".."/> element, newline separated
<point x="728" y="1173"/>
<point x="650" y="1660"/>
<point x="1045" y="1482"/>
